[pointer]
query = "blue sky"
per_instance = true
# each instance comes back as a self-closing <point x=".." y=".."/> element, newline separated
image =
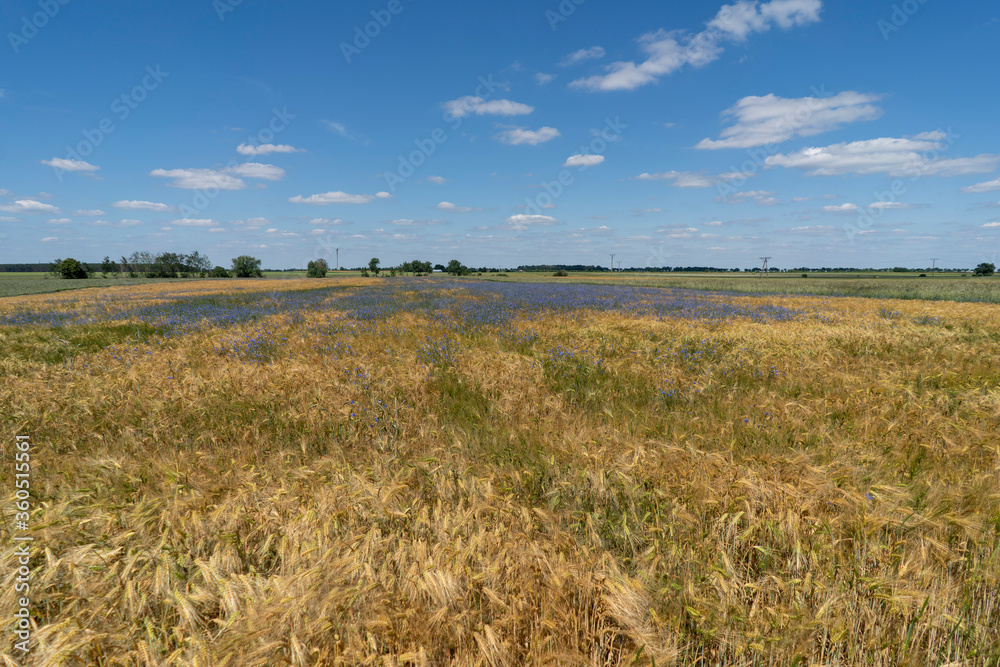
<point x="817" y="133"/>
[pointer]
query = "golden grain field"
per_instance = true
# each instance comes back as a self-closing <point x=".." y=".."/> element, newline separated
<point x="445" y="472"/>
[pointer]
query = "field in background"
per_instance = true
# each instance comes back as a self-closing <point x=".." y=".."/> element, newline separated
<point x="940" y="287"/>
<point x="436" y="471"/>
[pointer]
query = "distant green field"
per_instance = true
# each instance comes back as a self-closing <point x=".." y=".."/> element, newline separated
<point x="942" y="287"/>
<point x="19" y="284"/>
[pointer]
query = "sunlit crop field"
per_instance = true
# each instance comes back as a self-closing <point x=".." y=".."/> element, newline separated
<point x="410" y="471"/>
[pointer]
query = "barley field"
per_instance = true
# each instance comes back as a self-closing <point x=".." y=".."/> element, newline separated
<point x="433" y="471"/>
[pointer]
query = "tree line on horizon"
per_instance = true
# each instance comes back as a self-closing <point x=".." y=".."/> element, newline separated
<point x="144" y="264"/>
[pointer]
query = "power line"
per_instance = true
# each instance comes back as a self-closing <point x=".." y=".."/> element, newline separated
<point x="763" y="269"/>
<point x="612" y="262"/>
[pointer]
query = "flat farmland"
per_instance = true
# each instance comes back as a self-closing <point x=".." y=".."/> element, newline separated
<point x="434" y="471"/>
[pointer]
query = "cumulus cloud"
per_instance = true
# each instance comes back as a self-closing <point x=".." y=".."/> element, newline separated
<point x="990" y="225"/>
<point x="667" y="52"/>
<point x="338" y="197"/>
<point x="517" y="136"/>
<point x="681" y="179"/>
<point x="988" y="186"/>
<point x="70" y="165"/>
<point x="437" y="180"/>
<point x="142" y="206"/>
<point x="841" y="208"/>
<point x="92" y="212"/>
<point x="759" y="197"/>
<point x="59" y="221"/>
<point x="194" y="222"/>
<point x="541" y="78"/>
<point x="267" y="172"/>
<point x="199" y="179"/>
<point x="891" y="205"/>
<point x="448" y="206"/>
<point x="770" y="119"/>
<point x="29" y="206"/>
<point x="593" y="53"/>
<point x="265" y="149"/>
<point x="467" y="105"/>
<point x="521" y="221"/>
<point x="583" y="160"/>
<point x="913" y="156"/>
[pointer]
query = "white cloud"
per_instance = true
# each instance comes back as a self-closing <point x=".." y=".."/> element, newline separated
<point x="70" y="165"/>
<point x="336" y="198"/>
<point x="326" y="221"/>
<point x="667" y="52"/>
<point x="91" y="212"/>
<point x="59" y="221"/>
<point x="217" y="230"/>
<point x="199" y="179"/>
<point x="592" y="53"/>
<point x="714" y="223"/>
<point x="516" y="136"/>
<point x="29" y="206"/>
<point x="49" y="239"/>
<point x="541" y="78"/>
<point x="339" y="128"/>
<point x="194" y="222"/>
<point x="681" y="179"/>
<point x="988" y="186"/>
<point x="771" y="119"/>
<point x="990" y="225"/>
<point x="7" y="218"/>
<point x="841" y="208"/>
<point x="521" y="222"/>
<point x="896" y="157"/>
<point x="383" y="195"/>
<point x="437" y="180"/>
<point x="267" y="172"/>
<point x="265" y="149"/>
<point x="128" y="222"/>
<point x="583" y="160"/>
<point x="464" y="106"/>
<point x="280" y="232"/>
<point x="759" y="197"/>
<point x="891" y="205"/>
<point x="448" y="206"/>
<point x="143" y="206"/>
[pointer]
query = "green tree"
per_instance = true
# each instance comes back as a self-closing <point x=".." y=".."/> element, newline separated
<point x="71" y="269"/>
<point x="219" y="272"/>
<point x="317" y="269"/>
<point x="107" y="266"/>
<point x="985" y="269"/>
<point x="373" y="265"/>
<point x="245" y="266"/>
<point x="198" y="263"/>
<point x="456" y="268"/>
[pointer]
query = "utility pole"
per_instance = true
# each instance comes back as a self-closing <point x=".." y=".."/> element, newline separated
<point x="619" y="266"/>
<point x="337" y="268"/>
<point x="763" y="269"/>
<point x="933" y="265"/>
<point x="612" y="262"/>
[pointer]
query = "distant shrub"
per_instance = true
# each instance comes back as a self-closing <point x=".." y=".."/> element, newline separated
<point x="923" y="275"/>
<point x="219" y="272"/>
<point x="805" y="275"/>
<point x="560" y="274"/>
